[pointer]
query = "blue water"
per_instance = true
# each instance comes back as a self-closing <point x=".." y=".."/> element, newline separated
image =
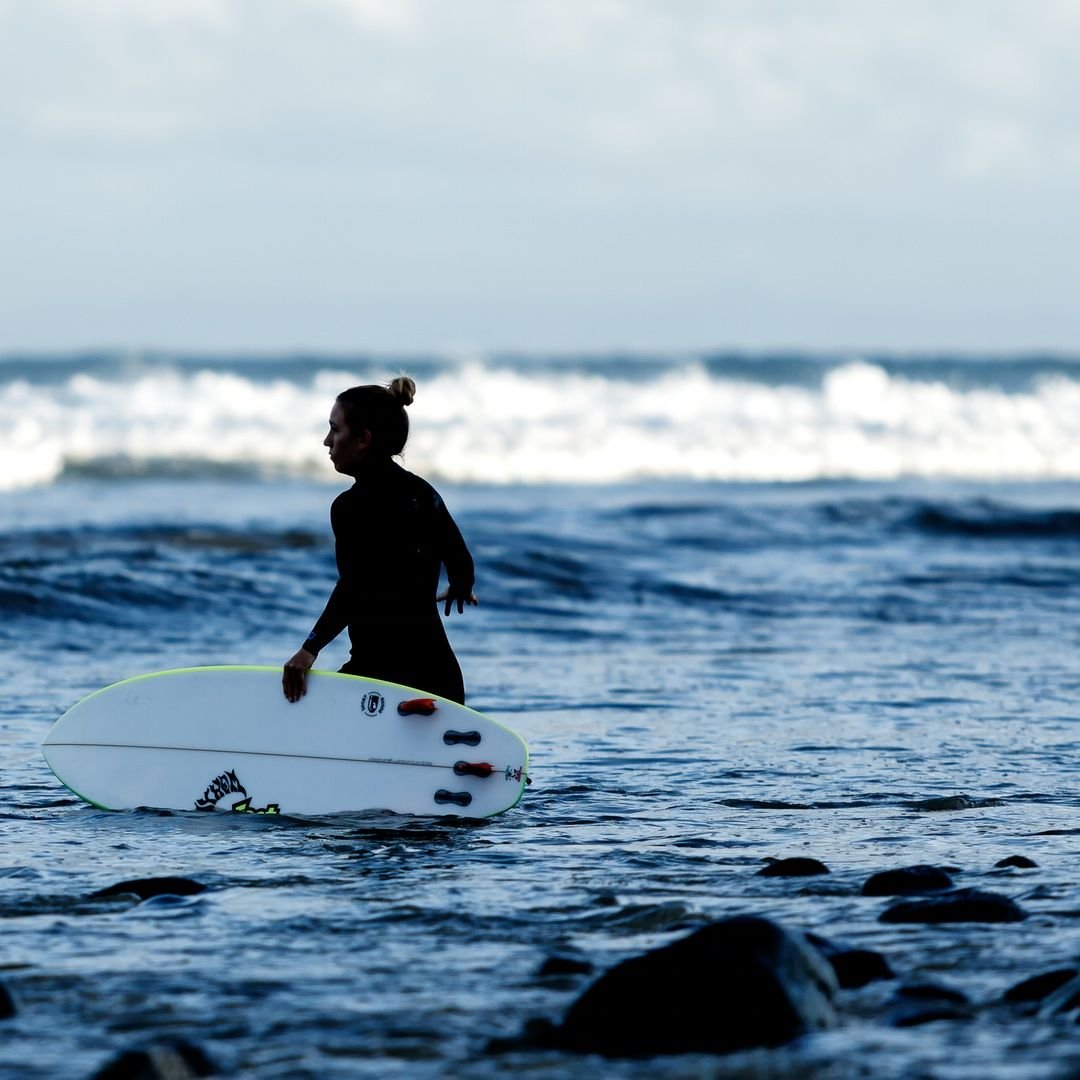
<point x="708" y="673"/>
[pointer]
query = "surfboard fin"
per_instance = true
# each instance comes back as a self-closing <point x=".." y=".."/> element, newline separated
<point x="461" y="798"/>
<point x="469" y="738"/>
<point x="421" y="706"/>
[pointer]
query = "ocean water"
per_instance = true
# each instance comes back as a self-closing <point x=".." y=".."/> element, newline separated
<point x="740" y="608"/>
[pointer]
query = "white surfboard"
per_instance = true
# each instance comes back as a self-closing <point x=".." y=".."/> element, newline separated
<point x="225" y="738"/>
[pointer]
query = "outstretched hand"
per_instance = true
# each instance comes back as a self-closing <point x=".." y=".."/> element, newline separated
<point x="294" y="674"/>
<point x="453" y="596"/>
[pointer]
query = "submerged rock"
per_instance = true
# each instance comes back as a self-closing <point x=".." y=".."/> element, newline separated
<point x="853" y="968"/>
<point x="731" y="985"/>
<point x="963" y="905"/>
<point x="952" y="802"/>
<point x="144" y="888"/>
<point x="858" y="967"/>
<point x="1021" y="861"/>
<point x="1064" y="999"/>
<point x="925" y="1003"/>
<point x="907" y="881"/>
<point x="180" y="1062"/>
<point x="932" y="992"/>
<point x="916" y="1013"/>
<point x="564" y="965"/>
<point x="1040" y="986"/>
<point x="796" y="867"/>
<point x="648" y="918"/>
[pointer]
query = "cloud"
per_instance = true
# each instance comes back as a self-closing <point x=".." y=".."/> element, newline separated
<point x="394" y="17"/>
<point x="215" y="14"/>
<point x="745" y="94"/>
<point x="553" y="152"/>
<point x="133" y="125"/>
<point x="992" y="148"/>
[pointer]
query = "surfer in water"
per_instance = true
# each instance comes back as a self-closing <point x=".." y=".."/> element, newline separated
<point x="392" y="534"/>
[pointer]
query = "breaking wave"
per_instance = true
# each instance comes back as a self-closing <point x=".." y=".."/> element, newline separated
<point x="536" y="421"/>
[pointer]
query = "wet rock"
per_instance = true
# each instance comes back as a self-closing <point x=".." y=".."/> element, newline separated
<point x="932" y="992"/>
<point x="907" y="881"/>
<point x="648" y="918"/>
<point x="144" y="888"/>
<point x="1040" y="986"/>
<point x="963" y="905"/>
<point x="858" y="967"/>
<point x="952" y="802"/>
<point x="7" y="1003"/>
<point x="180" y="1062"/>
<point x="796" y="867"/>
<point x="738" y="983"/>
<point x="1021" y="861"/>
<point x="1064" y="999"/>
<point x="913" y="1014"/>
<point x="853" y="968"/>
<point x="564" y="965"/>
<point x="924" y="1003"/>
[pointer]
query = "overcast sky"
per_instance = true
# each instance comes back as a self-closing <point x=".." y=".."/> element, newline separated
<point x="539" y="174"/>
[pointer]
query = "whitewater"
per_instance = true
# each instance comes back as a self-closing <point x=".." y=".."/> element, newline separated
<point x="599" y="420"/>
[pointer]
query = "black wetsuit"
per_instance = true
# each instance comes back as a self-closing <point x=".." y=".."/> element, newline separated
<point x="392" y="532"/>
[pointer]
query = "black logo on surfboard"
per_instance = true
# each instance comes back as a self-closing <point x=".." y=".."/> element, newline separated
<point x="373" y="703"/>
<point x="227" y="784"/>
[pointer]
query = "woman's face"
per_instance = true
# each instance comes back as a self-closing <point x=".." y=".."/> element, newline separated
<point x="346" y="449"/>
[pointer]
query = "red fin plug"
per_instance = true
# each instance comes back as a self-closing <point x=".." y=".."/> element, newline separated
<point x="421" y="706"/>
<point x="477" y="768"/>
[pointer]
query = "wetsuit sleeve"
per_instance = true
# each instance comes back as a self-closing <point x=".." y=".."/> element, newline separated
<point x="455" y="555"/>
<point x="331" y="622"/>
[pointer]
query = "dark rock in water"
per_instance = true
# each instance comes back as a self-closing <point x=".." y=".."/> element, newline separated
<point x="647" y="918"/>
<point x="144" y="888"/>
<point x="924" y="1003"/>
<point x="913" y="1014"/>
<point x="797" y="867"/>
<point x="1040" y="986"/>
<point x="7" y="1003"/>
<point x="907" y="881"/>
<point x="180" y="1062"/>
<point x="857" y="967"/>
<point x="952" y="802"/>
<point x="853" y="968"/>
<point x="932" y="992"/>
<point x="564" y="965"/>
<point x="1064" y="999"/>
<point x="1021" y="861"/>
<point x="963" y="905"/>
<point x="734" y="984"/>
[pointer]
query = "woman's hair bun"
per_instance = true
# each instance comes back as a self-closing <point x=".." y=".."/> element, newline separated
<point x="402" y="388"/>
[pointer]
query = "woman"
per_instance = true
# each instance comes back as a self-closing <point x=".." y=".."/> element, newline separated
<point x="392" y="533"/>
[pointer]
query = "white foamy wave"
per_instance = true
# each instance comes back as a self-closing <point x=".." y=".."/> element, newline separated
<point x="530" y="424"/>
<point x="501" y="426"/>
<point x="164" y="420"/>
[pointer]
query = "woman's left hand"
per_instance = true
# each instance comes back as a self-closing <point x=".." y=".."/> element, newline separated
<point x="451" y="596"/>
